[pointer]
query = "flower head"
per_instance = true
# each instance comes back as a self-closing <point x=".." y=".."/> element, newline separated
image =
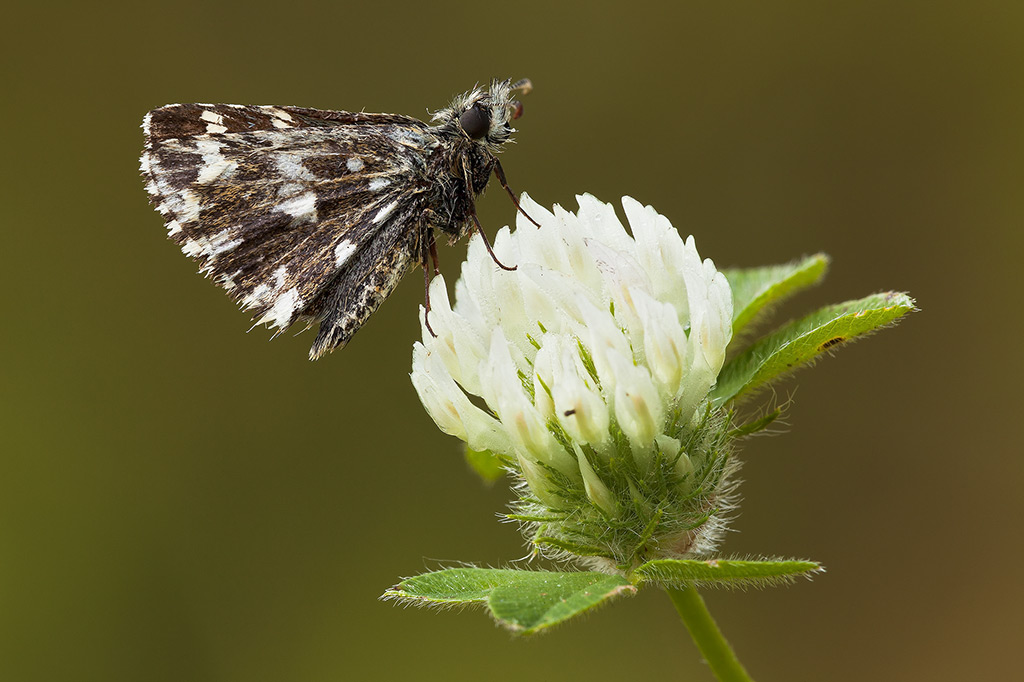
<point x="587" y="371"/>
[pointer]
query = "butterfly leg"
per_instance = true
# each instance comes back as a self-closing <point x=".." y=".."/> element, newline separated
<point x="483" y="235"/>
<point x="433" y="254"/>
<point x="428" y="248"/>
<point x="499" y="173"/>
<point x="476" y="220"/>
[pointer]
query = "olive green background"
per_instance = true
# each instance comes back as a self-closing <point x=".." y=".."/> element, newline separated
<point x="180" y="500"/>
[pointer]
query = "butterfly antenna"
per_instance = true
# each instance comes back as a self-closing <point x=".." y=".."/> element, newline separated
<point x="523" y="85"/>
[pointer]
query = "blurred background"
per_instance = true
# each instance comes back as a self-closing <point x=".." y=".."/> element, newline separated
<point x="180" y="500"/>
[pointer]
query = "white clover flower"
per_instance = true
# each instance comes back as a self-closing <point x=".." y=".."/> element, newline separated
<point x="594" y="359"/>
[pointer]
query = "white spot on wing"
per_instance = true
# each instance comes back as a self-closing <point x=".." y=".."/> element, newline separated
<point x="220" y="243"/>
<point x="355" y="164"/>
<point x="173" y="227"/>
<point x="384" y="212"/>
<point x="342" y="252"/>
<point x="289" y="189"/>
<point x="214" y="163"/>
<point x="215" y="122"/>
<point x="228" y="281"/>
<point x="289" y="166"/>
<point x="187" y="207"/>
<point x="258" y="295"/>
<point x="378" y="183"/>
<point x="264" y="292"/>
<point x="210" y="247"/>
<point x="215" y="169"/>
<point x="284" y="307"/>
<point x="413" y="139"/>
<point x="302" y="207"/>
<point x="281" y="118"/>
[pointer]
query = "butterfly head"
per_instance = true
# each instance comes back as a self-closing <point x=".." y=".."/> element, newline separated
<point x="485" y="115"/>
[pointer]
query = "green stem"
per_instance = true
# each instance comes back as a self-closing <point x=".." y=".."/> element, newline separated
<point x="706" y="635"/>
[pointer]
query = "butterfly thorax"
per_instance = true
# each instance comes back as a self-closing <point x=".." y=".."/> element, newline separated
<point x="459" y="170"/>
<point x="470" y="132"/>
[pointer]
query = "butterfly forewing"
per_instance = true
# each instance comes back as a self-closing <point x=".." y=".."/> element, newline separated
<point x="272" y="207"/>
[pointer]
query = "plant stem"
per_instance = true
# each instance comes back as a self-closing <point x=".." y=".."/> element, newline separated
<point x="706" y="635"/>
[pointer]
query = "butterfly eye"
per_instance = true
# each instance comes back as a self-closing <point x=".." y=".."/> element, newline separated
<point x="475" y="121"/>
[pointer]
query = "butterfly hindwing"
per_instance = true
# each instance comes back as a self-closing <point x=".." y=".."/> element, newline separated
<point x="358" y="290"/>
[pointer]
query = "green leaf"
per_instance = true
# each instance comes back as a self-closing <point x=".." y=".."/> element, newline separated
<point x="448" y="586"/>
<point x="523" y="601"/>
<point x="753" y="289"/>
<point x="800" y="342"/>
<point x="724" y="572"/>
<point x="486" y="464"/>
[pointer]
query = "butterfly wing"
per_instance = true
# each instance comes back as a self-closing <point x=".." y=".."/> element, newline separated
<point x="285" y="207"/>
<point x="360" y="288"/>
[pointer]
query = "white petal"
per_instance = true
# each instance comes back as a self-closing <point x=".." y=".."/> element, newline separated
<point x="639" y="409"/>
<point x="699" y="377"/>
<point x="537" y="480"/>
<point x="578" y="404"/>
<point x="642" y="223"/>
<point x="544" y="379"/>
<point x="440" y="404"/>
<point x="450" y="407"/>
<point x="578" y="260"/>
<point x="603" y="225"/>
<point x="665" y="344"/>
<point x="552" y="298"/>
<point x="523" y="422"/>
<point x="461" y="346"/>
<point x="534" y="210"/>
<point x="719" y="319"/>
<point x="601" y="336"/>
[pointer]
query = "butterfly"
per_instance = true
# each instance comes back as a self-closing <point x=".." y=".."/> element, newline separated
<point x="309" y="215"/>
